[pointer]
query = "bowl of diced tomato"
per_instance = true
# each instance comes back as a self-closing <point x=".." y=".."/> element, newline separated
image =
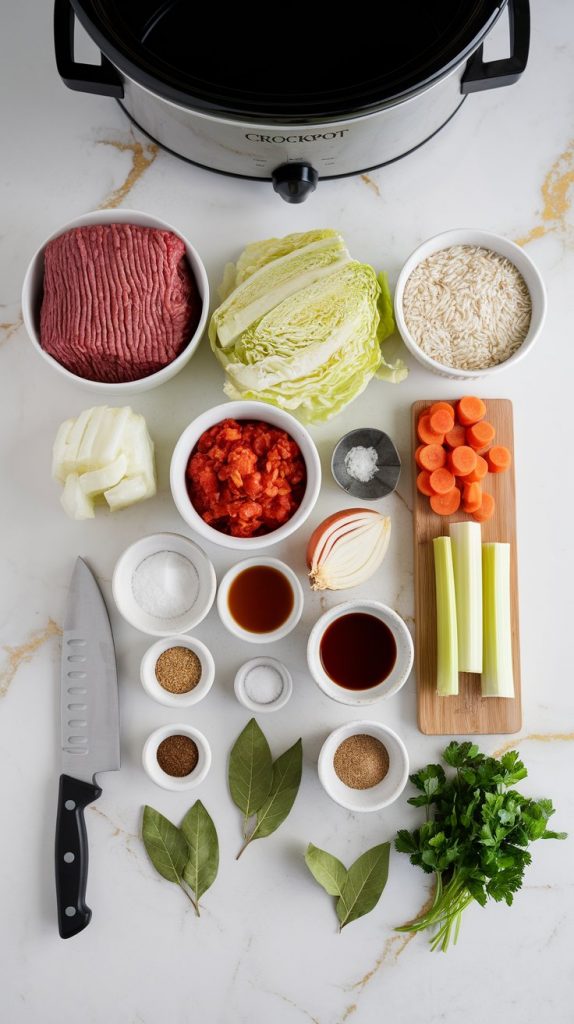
<point x="245" y="475"/>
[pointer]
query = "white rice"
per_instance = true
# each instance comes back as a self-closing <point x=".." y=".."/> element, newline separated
<point x="467" y="307"/>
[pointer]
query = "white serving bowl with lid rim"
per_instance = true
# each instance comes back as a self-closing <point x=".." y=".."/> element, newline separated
<point x="399" y="673"/>
<point x="32" y="291"/>
<point x="503" y="247"/>
<point x="244" y="410"/>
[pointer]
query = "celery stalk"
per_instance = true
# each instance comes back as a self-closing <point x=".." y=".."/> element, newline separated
<point x="467" y="565"/>
<point x="497" y="677"/>
<point x="446" y="634"/>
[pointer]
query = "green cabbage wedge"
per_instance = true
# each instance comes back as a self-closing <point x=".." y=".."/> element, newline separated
<point x="302" y="325"/>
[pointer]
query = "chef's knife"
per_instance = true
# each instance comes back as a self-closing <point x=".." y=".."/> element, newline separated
<point x="90" y="738"/>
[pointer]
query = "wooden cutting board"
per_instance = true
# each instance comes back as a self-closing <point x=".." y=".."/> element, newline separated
<point x="469" y="712"/>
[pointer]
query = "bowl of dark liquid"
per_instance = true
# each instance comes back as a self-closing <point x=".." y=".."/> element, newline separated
<point x="360" y="652"/>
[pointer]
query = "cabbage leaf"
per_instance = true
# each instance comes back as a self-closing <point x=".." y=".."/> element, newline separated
<point x="303" y="325"/>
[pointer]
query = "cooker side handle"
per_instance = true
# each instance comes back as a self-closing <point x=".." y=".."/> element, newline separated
<point x="101" y="79"/>
<point x="480" y="75"/>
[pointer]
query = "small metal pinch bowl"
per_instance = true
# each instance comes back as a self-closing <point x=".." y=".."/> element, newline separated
<point x="387" y="473"/>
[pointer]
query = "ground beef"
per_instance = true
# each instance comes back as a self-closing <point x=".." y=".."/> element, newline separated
<point x="120" y="301"/>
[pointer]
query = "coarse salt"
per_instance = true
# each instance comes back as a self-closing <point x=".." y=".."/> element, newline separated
<point x="165" y="585"/>
<point x="263" y="684"/>
<point x="361" y="463"/>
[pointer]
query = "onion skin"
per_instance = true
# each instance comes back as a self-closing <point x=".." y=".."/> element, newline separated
<point x="319" y="578"/>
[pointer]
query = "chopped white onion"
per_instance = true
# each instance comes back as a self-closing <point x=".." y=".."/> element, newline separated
<point x="106" y="453"/>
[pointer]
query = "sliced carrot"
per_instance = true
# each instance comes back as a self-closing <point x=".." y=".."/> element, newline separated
<point x="479" y="472"/>
<point x="442" y="481"/>
<point x="445" y="504"/>
<point x="462" y="460"/>
<point x="423" y="483"/>
<point x="486" y="510"/>
<point x="418" y="455"/>
<point x="498" y="458"/>
<point x="470" y="409"/>
<point x="455" y="437"/>
<point x="432" y="457"/>
<point x="471" y="497"/>
<point x="441" y="420"/>
<point x="447" y="406"/>
<point x="426" y="434"/>
<point x="480" y="435"/>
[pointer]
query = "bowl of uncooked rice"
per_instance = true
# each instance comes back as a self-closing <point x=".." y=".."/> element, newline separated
<point x="469" y="303"/>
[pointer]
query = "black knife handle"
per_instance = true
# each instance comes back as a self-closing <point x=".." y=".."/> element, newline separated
<point x="72" y="854"/>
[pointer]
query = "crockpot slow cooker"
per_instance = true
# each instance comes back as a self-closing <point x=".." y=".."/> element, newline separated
<point x="290" y="97"/>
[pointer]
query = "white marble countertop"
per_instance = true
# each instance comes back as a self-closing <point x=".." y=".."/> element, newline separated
<point x="267" y="947"/>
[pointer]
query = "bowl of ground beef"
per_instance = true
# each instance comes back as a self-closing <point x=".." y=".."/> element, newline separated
<point x="116" y="300"/>
<point x="245" y="475"/>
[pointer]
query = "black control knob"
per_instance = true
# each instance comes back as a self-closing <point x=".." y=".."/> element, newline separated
<point x="294" y="182"/>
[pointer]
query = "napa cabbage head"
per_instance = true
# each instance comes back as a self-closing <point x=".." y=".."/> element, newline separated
<point x="303" y="325"/>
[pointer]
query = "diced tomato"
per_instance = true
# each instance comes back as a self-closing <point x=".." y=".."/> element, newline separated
<point x="246" y="478"/>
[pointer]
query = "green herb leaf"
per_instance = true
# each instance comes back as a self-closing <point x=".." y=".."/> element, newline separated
<point x="476" y="837"/>
<point x="201" y="835"/>
<point x="459" y="754"/>
<point x="165" y="844"/>
<point x="287" y="771"/>
<point x="250" y="769"/>
<point x="366" y="879"/>
<point x="326" y="870"/>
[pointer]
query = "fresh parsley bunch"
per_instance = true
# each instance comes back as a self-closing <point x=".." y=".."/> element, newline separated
<point x="475" y="837"/>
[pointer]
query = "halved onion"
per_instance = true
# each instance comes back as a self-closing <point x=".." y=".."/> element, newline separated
<point x="347" y="548"/>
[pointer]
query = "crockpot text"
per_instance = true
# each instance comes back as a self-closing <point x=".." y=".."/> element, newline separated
<point x="254" y="137"/>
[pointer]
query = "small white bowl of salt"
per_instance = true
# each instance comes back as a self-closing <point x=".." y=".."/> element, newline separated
<point x="263" y="684"/>
<point x="164" y="584"/>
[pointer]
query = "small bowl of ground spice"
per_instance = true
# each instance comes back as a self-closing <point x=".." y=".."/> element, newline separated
<point x="176" y="757"/>
<point x="363" y="766"/>
<point x="177" y="671"/>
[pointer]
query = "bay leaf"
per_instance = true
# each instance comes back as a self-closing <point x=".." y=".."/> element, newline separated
<point x="166" y="845"/>
<point x="201" y="869"/>
<point x="250" y="771"/>
<point x="286" y="779"/>
<point x="366" y="879"/>
<point x="327" y="870"/>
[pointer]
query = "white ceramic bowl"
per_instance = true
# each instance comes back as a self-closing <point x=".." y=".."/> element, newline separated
<point x="244" y="411"/>
<point x="32" y="299"/>
<point x="401" y="669"/>
<point x="150" y="682"/>
<point x="122" y="584"/>
<point x="379" y="796"/>
<point x="502" y="246"/>
<point x="256" y="706"/>
<point x="161" y="778"/>
<point x="234" y="627"/>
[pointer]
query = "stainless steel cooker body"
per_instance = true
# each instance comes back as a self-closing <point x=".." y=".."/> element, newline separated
<point x="331" y="148"/>
<point x="295" y="156"/>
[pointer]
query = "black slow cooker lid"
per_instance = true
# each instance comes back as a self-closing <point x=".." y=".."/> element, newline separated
<point x="286" y="65"/>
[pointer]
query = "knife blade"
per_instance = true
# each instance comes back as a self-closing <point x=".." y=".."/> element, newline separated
<point x="89" y="737"/>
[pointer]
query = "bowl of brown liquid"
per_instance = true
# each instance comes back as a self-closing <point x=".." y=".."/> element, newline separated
<point x="360" y="652"/>
<point x="260" y="600"/>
